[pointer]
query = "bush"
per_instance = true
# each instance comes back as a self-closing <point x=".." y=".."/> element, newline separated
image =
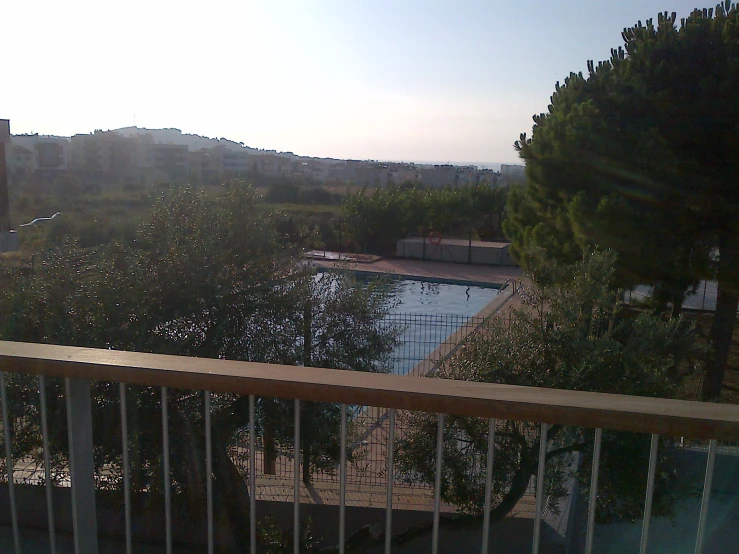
<point x="282" y="193"/>
<point x="290" y="193"/>
<point x="573" y="337"/>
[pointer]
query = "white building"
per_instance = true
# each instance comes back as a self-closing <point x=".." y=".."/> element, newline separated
<point x="49" y="153"/>
<point x="510" y="174"/>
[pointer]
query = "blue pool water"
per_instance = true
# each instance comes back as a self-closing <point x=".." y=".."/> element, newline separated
<point x="422" y="297"/>
<point x="428" y="313"/>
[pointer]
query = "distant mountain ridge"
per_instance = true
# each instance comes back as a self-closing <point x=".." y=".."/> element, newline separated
<point x="196" y="142"/>
<point x="176" y="136"/>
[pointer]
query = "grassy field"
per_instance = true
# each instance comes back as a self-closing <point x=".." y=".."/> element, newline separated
<point x="92" y="217"/>
<point x="334" y="210"/>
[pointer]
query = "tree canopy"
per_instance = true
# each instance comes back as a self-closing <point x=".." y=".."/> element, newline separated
<point x="379" y="218"/>
<point x="206" y="278"/>
<point x="641" y="156"/>
<point x="573" y="335"/>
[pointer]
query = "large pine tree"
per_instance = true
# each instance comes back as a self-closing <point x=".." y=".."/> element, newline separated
<point x="641" y="155"/>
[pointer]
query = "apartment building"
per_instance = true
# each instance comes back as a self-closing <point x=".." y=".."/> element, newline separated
<point x="103" y="153"/>
<point x="402" y="174"/>
<point x="205" y="164"/>
<point x="313" y="170"/>
<point x="172" y="159"/>
<point x="20" y="160"/>
<point x="110" y="155"/>
<point x="467" y="175"/>
<point x="234" y="161"/>
<point x="52" y="153"/>
<point x="374" y="175"/>
<point x="510" y="174"/>
<point x="439" y="176"/>
<point x="271" y="165"/>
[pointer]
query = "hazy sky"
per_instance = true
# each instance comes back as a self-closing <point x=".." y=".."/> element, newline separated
<point x="392" y="80"/>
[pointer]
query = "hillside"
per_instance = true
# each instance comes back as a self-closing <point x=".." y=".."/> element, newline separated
<point x="175" y="136"/>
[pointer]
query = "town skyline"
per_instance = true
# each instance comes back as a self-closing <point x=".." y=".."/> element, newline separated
<point x="141" y="156"/>
<point x="380" y="81"/>
<point x="482" y="164"/>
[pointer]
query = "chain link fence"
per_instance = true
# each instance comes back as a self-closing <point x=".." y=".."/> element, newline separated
<point x="424" y="340"/>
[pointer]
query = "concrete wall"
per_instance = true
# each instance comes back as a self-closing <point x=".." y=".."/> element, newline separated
<point x="8" y="242"/>
<point x="456" y="251"/>
<point x="512" y="535"/>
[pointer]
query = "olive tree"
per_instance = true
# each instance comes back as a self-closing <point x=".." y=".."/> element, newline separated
<point x="572" y="335"/>
<point x="208" y="277"/>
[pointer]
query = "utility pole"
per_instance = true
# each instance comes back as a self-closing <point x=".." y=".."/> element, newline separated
<point x="4" y="200"/>
<point x="8" y="238"/>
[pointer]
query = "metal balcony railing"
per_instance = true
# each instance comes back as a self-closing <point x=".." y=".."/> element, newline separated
<point x="79" y="366"/>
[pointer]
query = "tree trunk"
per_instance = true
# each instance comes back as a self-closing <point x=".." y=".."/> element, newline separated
<point x="519" y="484"/>
<point x="722" y="329"/>
<point x="306" y="464"/>
<point x="527" y="468"/>
<point x="268" y="440"/>
<point x="231" y="493"/>
<point x="190" y="471"/>
<point x="677" y="305"/>
<point x="722" y="332"/>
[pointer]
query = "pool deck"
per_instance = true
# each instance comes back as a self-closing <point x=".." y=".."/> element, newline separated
<point x="444" y="272"/>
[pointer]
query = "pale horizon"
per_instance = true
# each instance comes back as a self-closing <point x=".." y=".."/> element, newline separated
<point x="384" y="81"/>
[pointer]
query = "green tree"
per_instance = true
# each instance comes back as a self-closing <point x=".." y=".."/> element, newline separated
<point x="210" y="279"/>
<point x="572" y="336"/>
<point x="282" y="193"/>
<point x="380" y="218"/>
<point x="640" y="156"/>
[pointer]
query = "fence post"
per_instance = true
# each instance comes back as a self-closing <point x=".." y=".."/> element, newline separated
<point x="469" y="248"/>
<point x="81" y="466"/>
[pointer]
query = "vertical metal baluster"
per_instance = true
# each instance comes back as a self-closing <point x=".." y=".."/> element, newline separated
<point x="540" y="487"/>
<point x="296" y="482"/>
<point x="437" y="487"/>
<point x="47" y="464"/>
<point x="488" y="486"/>
<point x="342" y="482"/>
<point x="209" y="471"/>
<point x="252" y="478"/>
<point x="650" y="494"/>
<point x="593" y="491"/>
<point x="167" y="484"/>
<point x="9" y="465"/>
<point x="706" y="496"/>
<point x="78" y="395"/>
<point x="390" y="474"/>
<point x="126" y="469"/>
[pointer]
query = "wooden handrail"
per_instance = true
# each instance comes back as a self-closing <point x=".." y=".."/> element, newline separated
<point x="464" y="398"/>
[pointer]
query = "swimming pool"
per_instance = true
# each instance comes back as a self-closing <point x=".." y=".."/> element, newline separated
<point x="427" y="313"/>
<point x="423" y="297"/>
